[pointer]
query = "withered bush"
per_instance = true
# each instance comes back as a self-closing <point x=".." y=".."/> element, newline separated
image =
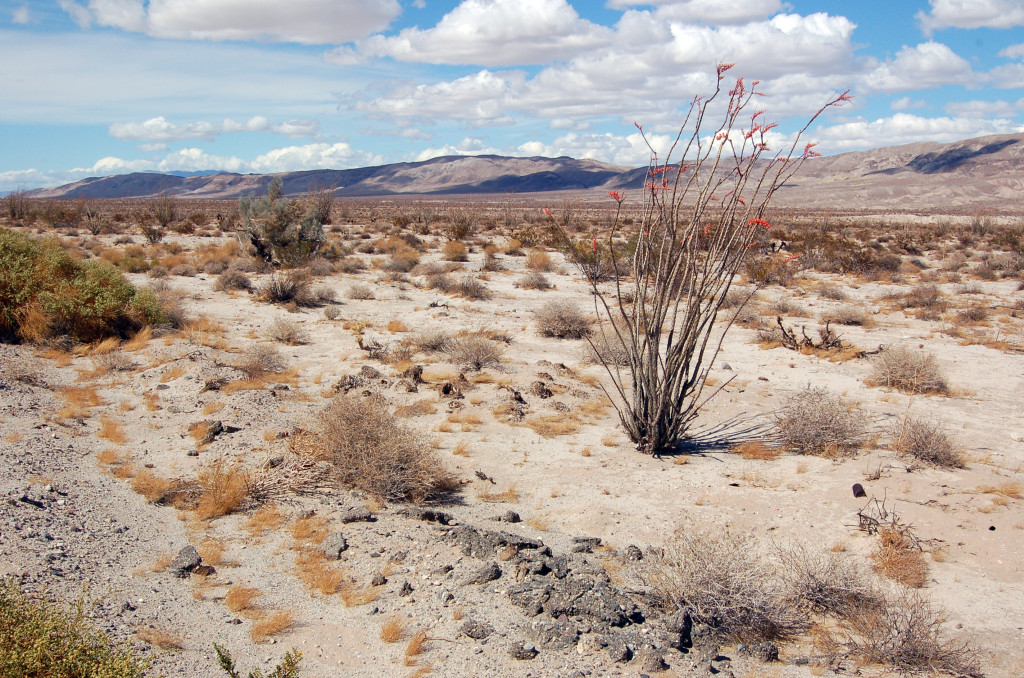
<point x="562" y="319"/>
<point x="608" y="348"/>
<point x="362" y="292"/>
<point x="908" y="370"/>
<point x="540" y="261"/>
<point x="288" y="332"/>
<point x="814" y="421"/>
<point x="291" y="287"/>
<point x="534" y="280"/>
<point x="259" y="360"/>
<point x="350" y="265"/>
<point x="232" y="280"/>
<point x="826" y="581"/>
<point x="471" y="288"/>
<point x="372" y="451"/>
<point x="432" y="340"/>
<point x="455" y="251"/>
<point x="475" y="351"/>
<point x="727" y="581"/>
<point x="925" y="440"/>
<point x="847" y="315"/>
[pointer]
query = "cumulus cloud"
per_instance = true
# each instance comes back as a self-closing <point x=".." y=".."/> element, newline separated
<point x="303" y="21"/>
<point x="478" y="98"/>
<point x="905" y="128"/>
<point x="468" y="146"/>
<point x="985" y="109"/>
<point x="906" y="103"/>
<point x="708" y="11"/>
<point x="159" y="130"/>
<point x="971" y="14"/>
<point x="1013" y="51"/>
<point x="491" y="33"/>
<point x="930" y="64"/>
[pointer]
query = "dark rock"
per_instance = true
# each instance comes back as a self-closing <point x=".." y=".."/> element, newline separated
<point x="522" y="651"/>
<point x="428" y="515"/>
<point x="766" y="651"/>
<point x="451" y="391"/>
<point x="553" y="634"/>
<point x="476" y="630"/>
<point x="484" y="544"/>
<point x="405" y="590"/>
<point x="530" y="595"/>
<point x="680" y="630"/>
<point x="634" y="553"/>
<point x="334" y="545"/>
<point x="211" y="429"/>
<point x="585" y="544"/>
<point x="187" y="560"/>
<point x="378" y="580"/>
<point x="355" y="514"/>
<point x="414" y="374"/>
<point x="618" y="649"/>
<point x="541" y="390"/>
<point x="508" y="517"/>
<point x="858" y="491"/>
<point x="441" y="571"/>
<point x="487" y="573"/>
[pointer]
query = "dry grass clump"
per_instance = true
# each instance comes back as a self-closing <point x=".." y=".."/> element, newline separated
<point x="539" y="261"/>
<point x="271" y="625"/>
<point x="267" y="518"/>
<point x="363" y="292"/>
<point x="726" y="581"/>
<point x="827" y="581"/>
<point x="899" y="557"/>
<point x="925" y="440"/>
<point x="393" y="630"/>
<point x="415" y="647"/>
<point x="755" y="449"/>
<point x="78" y="400"/>
<point x="562" y="319"/>
<point x="372" y="451"/>
<point x="260" y="360"/>
<point x="155" y="489"/>
<point x="232" y="280"/>
<point x="240" y="598"/>
<point x="907" y="370"/>
<point x="471" y="288"/>
<point x="607" y="348"/>
<point x="507" y="496"/>
<point x="455" y="251"/>
<point x="833" y="292"/>
<point x="847" y="315"/>
<point x="292" y="287"/>
<point x="814" y="421"/>
<point x="432" y="340"/>
<point x="224" y="488"/>
<point x="904" y="631"/>
<point x="288" y="332"/>
<point x="158" y="637"/>
<point x="534" y="280"/>
<point x="475" y="351"/>
<point x="317" y="573"/>
<point x="112" y="431"/>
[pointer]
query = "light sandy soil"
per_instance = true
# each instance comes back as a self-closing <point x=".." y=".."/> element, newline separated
<point x="90" y="529"/>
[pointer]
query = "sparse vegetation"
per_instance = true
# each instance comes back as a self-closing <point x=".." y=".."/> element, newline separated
<point x="814" y="421"/>
<point x="563" y="320"/>
<point x="909" y="370"/>
<point x="926" y="441"/>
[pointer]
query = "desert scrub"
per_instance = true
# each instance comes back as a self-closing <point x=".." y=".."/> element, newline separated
<point x="372" y="451"/>
<point x="40" y="639"/>
<point x="563" y="320"/>
<point x="814" y="421"/>
<point x="908" y="370"/>
<point x="475" y="351"/>
<point x="45" y="292"/>
<point x="285" y="232"/>
<point x="926" y="441"/>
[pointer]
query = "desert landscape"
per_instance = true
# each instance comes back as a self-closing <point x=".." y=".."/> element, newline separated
<point x="399" y="453"/>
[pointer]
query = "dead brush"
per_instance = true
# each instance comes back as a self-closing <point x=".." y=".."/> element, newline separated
<point x="271" y="625"/>
<point x="241" y="599"/>
<point x="222" y="488"/>
<point x="899" y="557"/>
<point x="902" y="631"/>
<point x="415" y="647"/>
<point x="393" y="630"/>
<point x="259" y="361"/>
<point x="370" y="450"/>
<point x="755" y="449"/>
<point x="475" y="351"/>
<point x="814" y="421"/>
<point x="155" y="489"/>
<point x="78" y="401"/>
<point x="267" y="518"/>
<point x="562" y="320"/>
<point x="508" y="496"/>
<point x="287" y="332"/>
<point x="907" y="370"/>
<point x="926" y="441"/>
<point x="317" y="573"/>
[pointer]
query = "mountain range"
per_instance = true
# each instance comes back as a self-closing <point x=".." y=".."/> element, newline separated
<point x="982" y="173"/>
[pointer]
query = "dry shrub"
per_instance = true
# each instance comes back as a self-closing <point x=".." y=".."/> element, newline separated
<point x="158" y="637"/>
<point x="316" y="573"/>
<point x="287" y="332"/>
<point x="847" y="315"/>
<point x="833" y="292"/>
<point x="415" y="647"/>
<point x="393" y="630"/>
<point x="155" y="489"/>
<point x="908" y="370"/>
<point x="471" y="288"/>
<point x="817" y="422"/>
<point x="509" y="496"/>
<point x="973" y="314"/>
<point x="899" y="557"/>
<point x="271" y="625"/>
<point x="926" y="297"/>
<point x="904" y="631"/>
<point x="475" y="351"/>
<point x="538" y="260"/>
<point x="925" y="440"/>
<point x="534" y="280"/>
<point x="212" y="552"/>
<point x="726" y="581"/>
<point x="224" y="487"/>
<point x="354" y="595"/>
<point x="232" y="280"/>
<point x="310" y="530"/>
<point x="755" y="449"/>
<point x="259" y="360"/>
<point x="416" y="409"/>
<point x="267" y="518"/>
<point x="826" y="581"/>
<point x="363" y="292"/>
<point x="240" y="598"/>
<point x="402" y="261"/>
<point x="455" y="251"/>
<point x="292" y="287"/>
<point x="562" y="319"/>
<point x="78" y="400"/>
<point x="372" y="451"/>
<point x="1008" y="490"/>
<point x="552" y="425"/>
<point x="608" y="348"/>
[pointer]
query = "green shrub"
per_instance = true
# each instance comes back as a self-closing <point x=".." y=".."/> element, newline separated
<point x="45" y="292"/>
<point x="40" y="639"/>
<point x="285" y="232"/>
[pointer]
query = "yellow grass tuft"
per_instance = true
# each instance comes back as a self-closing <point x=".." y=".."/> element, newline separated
<point x="271" y="625"/>
<point x="78" y="400"/>
<point x="755" y="449"/>
<point x="310" y="530"/>
<point x="159" y="637"/>
<point x="509" y="496"/>
<point x="241" y="598"/>
<point x="267" y="518"/>
<point x="139" y="341"/>
<point x="393" y="630"/>
<point x="415" y="647"/>
<point x="316" y="573"/>
<point x="111" y="430"/>
<point x="224" y="488"/>
<point x="171" y="374"/>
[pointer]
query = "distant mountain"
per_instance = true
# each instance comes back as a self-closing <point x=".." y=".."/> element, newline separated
<point x="971" y="174"/>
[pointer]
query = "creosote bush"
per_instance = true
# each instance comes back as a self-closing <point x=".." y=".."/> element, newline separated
<point x="285" y="232"/>
<point x="926" y="441"/>
<point x="814" y="421"/>
<point x="372" y="451"/>
<point x="908" y="370"/>
<point x="41" y="639"/>
<point x="475" y="351"/>
<point x="562" y="319"/>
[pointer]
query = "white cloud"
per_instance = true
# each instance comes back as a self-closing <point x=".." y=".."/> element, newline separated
<point x="478" y="98"/>
<point x="468" y="146"/>
<point x="906" y="103"/>
<point x="1009" y="76"/>
<point x="905" y="128"/>
<point x="971" y="14"/>
<point x="21" y="15"/>
<point x="312" y="156"/>
<point x="708" y="11"/>
<point x="1013" y="51"/>
<point x="159" y="130"/>
<point x="985" y="109"/>
<point x="930" y="64"/>
<point x="492" y="33"/>
<point x="302" y="21"/>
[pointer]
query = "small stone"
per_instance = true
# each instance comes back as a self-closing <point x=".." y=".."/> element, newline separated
<point x="378" y="580"/>
<point x="651" y="661"/>
<point x="858" y="491"/>
<point x="766" y="651"/>
<point x="187" y="560"/>
<point x="522" y="651"/>
<point x="405" y="590"/>
<point x="476" y="630"/>
<point x="356" y="514"/>
<point x="334" y="545"/>
<point x="585" y="544"/>
<point x="508" y="517"/>
<point x="445" y="596"/>
<point x="634" y="553"/>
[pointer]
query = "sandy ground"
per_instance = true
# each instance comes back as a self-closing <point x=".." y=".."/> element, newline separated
<point x="92" y="530"/>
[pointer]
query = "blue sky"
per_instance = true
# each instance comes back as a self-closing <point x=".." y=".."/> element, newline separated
<point x="97" y="87"/>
